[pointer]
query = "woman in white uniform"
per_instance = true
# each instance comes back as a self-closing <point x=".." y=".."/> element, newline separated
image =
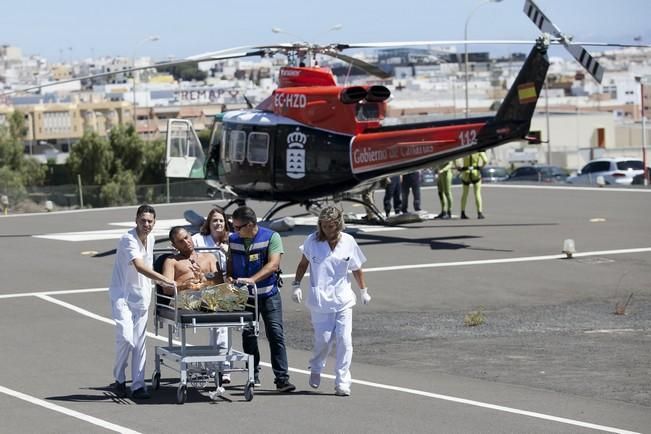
<point x="130" y="294"/>
<point x="214" y="235"/>
<point x="329" y="254"/>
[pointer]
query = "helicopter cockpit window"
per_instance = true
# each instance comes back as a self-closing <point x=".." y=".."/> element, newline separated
<point x="367" y="111"/>
<point x="258" y="149"/>
<point x="237" y="146"/>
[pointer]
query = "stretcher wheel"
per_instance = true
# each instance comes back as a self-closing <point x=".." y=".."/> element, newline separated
<point x="248" y="392"/>
<point x="181" y="394"/>
<point x="155" y="380"/>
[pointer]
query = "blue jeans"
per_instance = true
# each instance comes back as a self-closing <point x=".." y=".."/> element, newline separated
<point x="271" y="310"/>
<point x="411" y="181"/>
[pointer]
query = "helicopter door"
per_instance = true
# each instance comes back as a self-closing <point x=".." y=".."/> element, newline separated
<point x="184" y="156"/>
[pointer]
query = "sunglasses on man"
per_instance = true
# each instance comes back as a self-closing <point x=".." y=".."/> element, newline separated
<point x="238" y="227"/>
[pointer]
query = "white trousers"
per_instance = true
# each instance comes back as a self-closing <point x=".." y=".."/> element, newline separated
<point x="218" y="338"/>
<point x="130" y="329"/>
<point x="339" y="324"/>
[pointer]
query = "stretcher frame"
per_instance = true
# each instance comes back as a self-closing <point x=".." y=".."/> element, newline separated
<point x="190" y="360"/>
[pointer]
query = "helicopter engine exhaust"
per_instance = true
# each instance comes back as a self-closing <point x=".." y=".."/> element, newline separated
<point x="352" y="95"/>
<point x="377" y="94"/>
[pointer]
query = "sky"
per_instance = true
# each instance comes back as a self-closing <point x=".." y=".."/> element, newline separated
<point x="74" y="29"/>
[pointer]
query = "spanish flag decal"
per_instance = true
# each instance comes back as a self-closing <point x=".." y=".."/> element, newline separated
<point x="527" y="93"/>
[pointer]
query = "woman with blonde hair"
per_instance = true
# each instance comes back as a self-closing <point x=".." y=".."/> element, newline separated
<point x="330" y="253"/>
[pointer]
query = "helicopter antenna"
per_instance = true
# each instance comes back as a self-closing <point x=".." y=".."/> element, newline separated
<point x="248" y="102"/>
<point x="350" y="68"/>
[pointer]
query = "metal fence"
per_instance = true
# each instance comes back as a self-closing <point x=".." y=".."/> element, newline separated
<point x="36" y="199"/>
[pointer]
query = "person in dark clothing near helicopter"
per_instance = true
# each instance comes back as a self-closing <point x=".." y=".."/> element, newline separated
<point x="254" y="258"/>
<point x="411" y="181"/>
<point x="392" y="193"/>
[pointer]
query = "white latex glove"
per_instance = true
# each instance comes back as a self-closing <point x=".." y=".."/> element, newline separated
<point x="297" y="295"/>
<point x="366" y="298"/>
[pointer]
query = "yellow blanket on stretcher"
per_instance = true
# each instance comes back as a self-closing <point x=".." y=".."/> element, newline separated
<point x="224" y="297"/>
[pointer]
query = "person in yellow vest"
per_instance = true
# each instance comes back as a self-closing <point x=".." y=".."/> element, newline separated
<point x="470" y="170"/>
<point x="444" y="186"/>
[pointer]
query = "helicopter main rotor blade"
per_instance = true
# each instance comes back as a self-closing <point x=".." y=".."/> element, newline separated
<point x="205" y="57"/>
<point x="577" y="51"/>
<point x="395" y="44"/>
<point x="364" y="66"/>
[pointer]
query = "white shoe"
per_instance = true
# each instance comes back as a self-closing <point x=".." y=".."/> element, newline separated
<point x="226" y="378"/>
<point x="342" y="392"/>
<point x="315" y="380"/>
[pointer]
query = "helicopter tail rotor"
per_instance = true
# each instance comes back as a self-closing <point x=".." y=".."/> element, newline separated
<point x="577" y="51"/>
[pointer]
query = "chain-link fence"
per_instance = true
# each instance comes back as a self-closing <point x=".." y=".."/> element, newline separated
<point x="45" y="198"/>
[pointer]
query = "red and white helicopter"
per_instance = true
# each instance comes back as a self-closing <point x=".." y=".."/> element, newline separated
<point x="312" y="139"/>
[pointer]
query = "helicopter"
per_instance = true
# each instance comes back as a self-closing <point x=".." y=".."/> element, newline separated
<point x="313" y="140"/>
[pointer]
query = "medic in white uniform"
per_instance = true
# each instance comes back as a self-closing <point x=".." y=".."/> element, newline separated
<point x="330" y="254"/>
<point x="130" y="294"/>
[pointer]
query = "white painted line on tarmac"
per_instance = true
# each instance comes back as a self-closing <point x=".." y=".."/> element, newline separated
<point x="389" y="387"/>
<point x="67" y="411"/>
<point x="568" y="187"/>
<point x="397" y="267"/>
<point x="163" y="227"/>
<point x="500" y="261"/>
<point x="62" y="292"/>
<point x="507" y="260"/>
<point x="497" y="407"/>
<point x="77" y="309"/>
<point x="97" y="317"/>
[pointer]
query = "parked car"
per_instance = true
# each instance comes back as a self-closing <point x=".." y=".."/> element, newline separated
<point x="538" y="174"/>
<point x="494" y="174"/>
<point x="620" y="171"/>
<point x="428" y="177"/>
<point x="639" y="179"/>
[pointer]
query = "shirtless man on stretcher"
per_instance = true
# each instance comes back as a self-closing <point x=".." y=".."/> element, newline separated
<point x="189" y="269"/>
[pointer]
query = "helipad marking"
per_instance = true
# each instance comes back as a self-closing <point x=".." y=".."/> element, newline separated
<point x="85" y="417"/>
<point x="448" y="398"/>
<point x="163" y="227"/>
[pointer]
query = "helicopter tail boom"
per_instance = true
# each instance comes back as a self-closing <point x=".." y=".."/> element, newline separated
<point x="513" y="118"/>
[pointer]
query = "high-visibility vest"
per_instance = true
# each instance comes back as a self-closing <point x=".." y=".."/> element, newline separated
<point x="471" y="169"/>
<point x="247" y="262"/>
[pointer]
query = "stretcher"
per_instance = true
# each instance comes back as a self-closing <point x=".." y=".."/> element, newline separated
<point x="199" y="365"/>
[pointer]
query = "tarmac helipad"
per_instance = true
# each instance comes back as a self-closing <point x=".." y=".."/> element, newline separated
<point x="550" y="357"/>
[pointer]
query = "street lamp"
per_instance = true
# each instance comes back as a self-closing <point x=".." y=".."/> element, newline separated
<point x="643" y="82"/>
<point x="465" y="38"/>
<point x="152" y="38"/>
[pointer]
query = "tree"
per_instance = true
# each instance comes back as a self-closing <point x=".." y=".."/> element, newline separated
<point x="121" y="190"/>
<point x="153" y="171"/>
<point x="92" y="159"/>
<point x="17" y="171"/>
<point x="128" y="149"/>
<point x="185" y="72"/>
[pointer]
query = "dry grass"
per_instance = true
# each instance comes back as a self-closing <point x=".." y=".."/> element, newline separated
<point x="620" y="308"/>
<point x="474" y="318"/>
